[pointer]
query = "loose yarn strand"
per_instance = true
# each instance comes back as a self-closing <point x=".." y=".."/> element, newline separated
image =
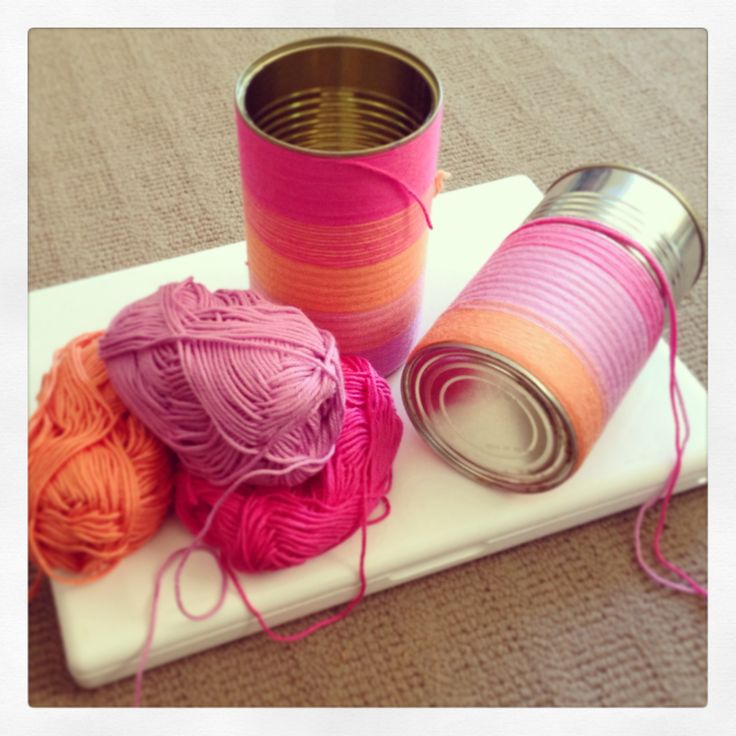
<point x="226" y="571"/>
<point x="334" y="618"/>
<point x="395" y="179"/>
<point x="679" y="414"/>
<point x="330" y="505"/>
<point x="184" y="553"/>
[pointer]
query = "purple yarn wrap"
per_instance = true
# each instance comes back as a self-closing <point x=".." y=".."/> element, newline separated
<point x="241" y="389"/>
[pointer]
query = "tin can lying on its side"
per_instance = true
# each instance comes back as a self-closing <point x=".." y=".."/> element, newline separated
<point x="492" y="417"/>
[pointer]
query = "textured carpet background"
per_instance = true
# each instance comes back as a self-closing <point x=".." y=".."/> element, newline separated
<point x="132" y="158"/>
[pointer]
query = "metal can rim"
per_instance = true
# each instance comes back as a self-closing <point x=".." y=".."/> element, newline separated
<point x="676" y="193"/>
<point x="350" y="41"/>
<point x="508" y="365"/>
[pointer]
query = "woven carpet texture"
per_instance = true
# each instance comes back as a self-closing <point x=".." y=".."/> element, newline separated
<point x="133" y="159"/>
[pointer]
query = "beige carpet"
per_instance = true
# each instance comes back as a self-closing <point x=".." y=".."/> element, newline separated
<point x="133" y="159"/>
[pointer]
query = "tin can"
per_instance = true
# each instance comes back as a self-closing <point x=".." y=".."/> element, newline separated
<point x="338" y="96"/>
<point x="339" y="139"/>
<point x="488" y="416"/>
<point x="639" y="204"/>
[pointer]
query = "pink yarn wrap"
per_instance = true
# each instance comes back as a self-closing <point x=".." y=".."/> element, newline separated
<point x="328" y="190"/>
<point x="241" y="389"/>
<point x="580" y="286"/>
<point x="266" y="528"/>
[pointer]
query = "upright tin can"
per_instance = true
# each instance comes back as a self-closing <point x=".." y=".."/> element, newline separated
<point x="492" y="419"/>
<point x="339" y="139"/>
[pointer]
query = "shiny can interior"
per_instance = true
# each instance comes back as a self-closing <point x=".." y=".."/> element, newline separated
<point x="338" y="96"/>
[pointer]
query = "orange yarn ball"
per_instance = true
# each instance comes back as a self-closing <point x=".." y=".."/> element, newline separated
<point x="99" y="482"/>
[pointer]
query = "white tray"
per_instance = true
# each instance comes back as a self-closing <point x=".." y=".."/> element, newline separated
<point x="439" y="517"/>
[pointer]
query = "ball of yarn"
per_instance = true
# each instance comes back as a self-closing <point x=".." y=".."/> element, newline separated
<point x="240" y="388"/>
<point x="259" y="528"/>
<point x="99" y="482"/>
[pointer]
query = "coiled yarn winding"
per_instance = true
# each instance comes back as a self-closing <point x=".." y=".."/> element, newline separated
<point x="99" y="483"/>
<point x="264" y="528"/>
<point x="241" y="389"/>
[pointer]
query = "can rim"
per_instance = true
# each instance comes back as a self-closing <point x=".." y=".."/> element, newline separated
<point x="348" y="41"/>
<point x="526" y="377"/>
<point x="676" y="193"/>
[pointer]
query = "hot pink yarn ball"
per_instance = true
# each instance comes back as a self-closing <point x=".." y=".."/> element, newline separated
<point x="259" y="528"/>
<point x="240" y="388"/>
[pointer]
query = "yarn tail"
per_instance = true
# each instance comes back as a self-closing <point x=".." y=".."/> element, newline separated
<point x="682" y="426"/>
<point x="226" y="572"/>
<point x="312" y="628"/>
<point x="401" y="184"/>
<point x="679" y="413"/>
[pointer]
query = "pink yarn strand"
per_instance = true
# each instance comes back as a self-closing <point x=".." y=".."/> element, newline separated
<point x="679" y="414"/>
<point x="330" y="505"/>
<point x="395" y="179"/>
<point x="226" y="571"/>
<point x="184" y="553"/>
<point x="322" y="623"/>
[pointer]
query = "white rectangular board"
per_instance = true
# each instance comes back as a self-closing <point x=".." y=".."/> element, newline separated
<point x="439" y="518"/>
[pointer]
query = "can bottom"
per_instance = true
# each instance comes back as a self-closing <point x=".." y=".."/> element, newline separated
<point x="488" y="417"/>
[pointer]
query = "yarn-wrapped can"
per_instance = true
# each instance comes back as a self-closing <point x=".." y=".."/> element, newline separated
<point x="240" y="388"/>
<point x="99" y="482"/>
<point x="267" y="528"/>
<point x="339" y="139"/>
<point x="516" y="380"/>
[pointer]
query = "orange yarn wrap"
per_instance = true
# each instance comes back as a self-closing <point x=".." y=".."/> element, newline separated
<point x="99" y="483"/>
<point x="362" y="288"/>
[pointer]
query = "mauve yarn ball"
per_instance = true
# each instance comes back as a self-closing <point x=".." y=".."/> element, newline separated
<point x="240" y="388"/>
<point x="266" y="528"/>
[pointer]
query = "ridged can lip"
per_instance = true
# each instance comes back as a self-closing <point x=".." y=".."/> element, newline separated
<point x="348" y="42"/>
<point x="676" y="193"/>
<point x="455" y="420"/>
